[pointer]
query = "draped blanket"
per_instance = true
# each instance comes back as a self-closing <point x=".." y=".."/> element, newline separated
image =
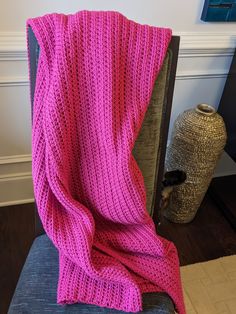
<point x="96" y="71"/>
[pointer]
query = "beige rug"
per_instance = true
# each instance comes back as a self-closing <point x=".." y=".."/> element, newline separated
<point x="210" y="287"/>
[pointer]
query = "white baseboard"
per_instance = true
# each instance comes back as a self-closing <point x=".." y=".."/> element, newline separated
<point x="16" y="190"/>
<point x="15" y="180"/>
<point x="13" y="159"/>
<point x="225" y="167"/>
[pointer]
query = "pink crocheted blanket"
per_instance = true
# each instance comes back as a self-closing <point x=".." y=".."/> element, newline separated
<point x="96" y="72"/>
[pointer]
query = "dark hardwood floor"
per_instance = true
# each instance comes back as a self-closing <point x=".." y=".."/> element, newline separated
<point x="209" y="236"/>
<point x="16" y="236"/>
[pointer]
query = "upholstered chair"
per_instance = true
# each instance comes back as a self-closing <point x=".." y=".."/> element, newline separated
<point x="37" y="286"/>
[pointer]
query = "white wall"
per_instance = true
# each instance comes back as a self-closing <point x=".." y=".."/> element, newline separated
<point x="205" y="55"/>
<point x="181" y="15"/>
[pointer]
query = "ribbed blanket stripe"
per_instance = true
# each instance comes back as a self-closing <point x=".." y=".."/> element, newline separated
<point x="96" y="72"/>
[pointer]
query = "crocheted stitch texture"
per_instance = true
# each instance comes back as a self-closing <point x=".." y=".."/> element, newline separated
<point x="96" y="71"/>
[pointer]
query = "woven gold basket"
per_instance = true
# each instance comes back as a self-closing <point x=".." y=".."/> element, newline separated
<point x="198" y="139"/>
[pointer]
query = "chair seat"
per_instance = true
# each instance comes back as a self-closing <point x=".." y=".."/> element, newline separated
<point x="37" y="287"/>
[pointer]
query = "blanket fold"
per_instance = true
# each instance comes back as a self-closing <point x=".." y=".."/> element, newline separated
<point x="96" y="72"/>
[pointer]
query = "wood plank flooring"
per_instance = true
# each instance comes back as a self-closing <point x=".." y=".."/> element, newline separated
<point x="16" y="236"/>
<point x="209" y="236"/>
